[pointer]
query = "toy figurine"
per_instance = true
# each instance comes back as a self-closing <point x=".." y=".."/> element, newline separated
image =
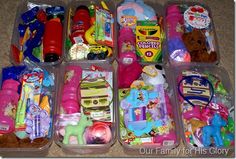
<point x="77" y="130"/>
<point x="213" y="130"/>
<point x="126" y="45"/>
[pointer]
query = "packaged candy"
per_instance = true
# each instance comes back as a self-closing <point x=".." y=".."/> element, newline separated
<point x="86" y="114"/>
<point x="90" y="30"/>
<point x="38" y="32"/>
<point x="190" y="33"/>
<point x="204" y="108"/>
<point x="146" y="118"/>
<point x="26" y="106"/>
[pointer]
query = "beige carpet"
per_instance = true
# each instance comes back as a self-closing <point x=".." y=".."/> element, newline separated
<point x="223" y="15"/>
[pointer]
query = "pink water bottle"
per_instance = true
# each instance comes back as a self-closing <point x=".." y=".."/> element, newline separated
<point x="126" y="45"/>
<point x="176" y="47"/>
<point x="71" y="89"/>
<point x="174" y="21"/>
<point x="8" y="102"/>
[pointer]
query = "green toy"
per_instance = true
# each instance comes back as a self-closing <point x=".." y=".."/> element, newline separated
<point x="22" y="105"/>
<point x="77" y="130"/>
<point x="227" y="132"/>
<point x="37" y="52"/>
<point x="217" y="84"/>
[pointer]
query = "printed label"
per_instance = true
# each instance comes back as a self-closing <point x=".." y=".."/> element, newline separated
<point x="4" y="127"/>
<point x="128" y="21"/>
<point x="197" y="17"/>
<point x="148" y="42"/>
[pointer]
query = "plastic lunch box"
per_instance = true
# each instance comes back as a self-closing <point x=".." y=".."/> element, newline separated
<point x="222" y="74"/>
<point x="40" y="151"/>
<point x="173" y="23"/>
<point x="72" y="5"/>
<point x="15" y="36"/>
<point x="86" y="148"/>
<point x="159" y="10"/>
<point x="135" y="149"/>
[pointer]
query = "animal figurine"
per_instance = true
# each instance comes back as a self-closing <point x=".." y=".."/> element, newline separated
<point x="213" y="130"/>
<point x="77" y="130"/>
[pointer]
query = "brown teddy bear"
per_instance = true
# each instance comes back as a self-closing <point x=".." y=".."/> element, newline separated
<point x="195" y="43"/>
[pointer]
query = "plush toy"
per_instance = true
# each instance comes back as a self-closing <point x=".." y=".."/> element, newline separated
<point x="128" y="73"/>
<point x="195" y="43"/>
<point x="130" y="11"/>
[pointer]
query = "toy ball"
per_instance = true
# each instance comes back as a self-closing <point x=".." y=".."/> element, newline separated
<point x="99" y="133"/>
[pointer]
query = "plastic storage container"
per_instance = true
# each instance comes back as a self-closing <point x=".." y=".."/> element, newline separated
<point x="12" y="146"/>
<point x="140" y="31"/>
<point x="50" y="24"/>
<point x="190" y="34"/>
<point x="147" y="114"/>
<point x="86" y="93"/>
<point x="85" y="38"/>
<point x="202" y="91"/>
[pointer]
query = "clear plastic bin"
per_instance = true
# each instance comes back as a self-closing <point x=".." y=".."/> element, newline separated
<point x="195" y="143"/>
<point x="76" y="148"/>
<point x="72" y="6"/>
<point x="40" y="151"/>
<point x="190" y="34"/>
<point x="165" y="144"/>
<point x="15" y="40"/>
<point x="130" y="13"/>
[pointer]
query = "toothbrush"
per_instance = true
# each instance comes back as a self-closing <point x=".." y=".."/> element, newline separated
<point x="22" y="104"/>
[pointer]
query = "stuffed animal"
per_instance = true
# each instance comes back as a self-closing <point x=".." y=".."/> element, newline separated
<point x="128" y="73"/>
<point x="153" y="75"/>
<point x="195" y="43"/>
